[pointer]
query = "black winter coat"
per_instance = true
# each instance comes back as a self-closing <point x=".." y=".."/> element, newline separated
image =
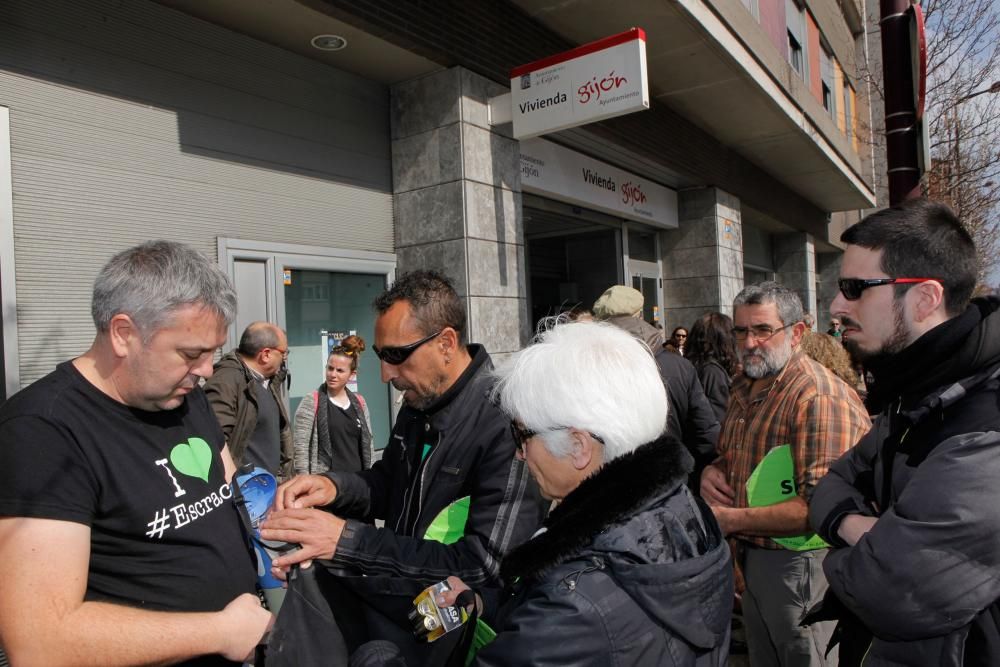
<point x="690" y="420"/>
<point x="716" y="382"/>
<point x="925" y="580"/>
<point x="631" y="570"/>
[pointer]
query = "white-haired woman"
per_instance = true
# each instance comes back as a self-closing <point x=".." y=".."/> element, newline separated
<point x="630" y="569"/>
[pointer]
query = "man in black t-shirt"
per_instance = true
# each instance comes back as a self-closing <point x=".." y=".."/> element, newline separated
<point x="115" y="504"/>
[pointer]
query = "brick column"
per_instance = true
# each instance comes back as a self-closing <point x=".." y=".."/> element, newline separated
<point x="703" y="258"/>
<point x="457" y="200"/>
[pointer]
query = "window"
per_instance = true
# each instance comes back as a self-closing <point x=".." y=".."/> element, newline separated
<point x="795" y="53"/>
<point x="796" y="22"/>
<point x="827" y="77"/>
<point x="848" y="110"/>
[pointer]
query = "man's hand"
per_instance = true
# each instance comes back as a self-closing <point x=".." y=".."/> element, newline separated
<point x="449" y="598"/>
<point x="305" y="491"/>
<point x="317" y="531"/>
<point x="244" y="623"/>
<point x="854" y="526"/>
<point x="715" y="489"/>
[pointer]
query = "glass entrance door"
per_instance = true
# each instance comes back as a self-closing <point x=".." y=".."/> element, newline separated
<point x="642" y="256"/>
<point x="319" y="305"/>
<point x="314" y="294"/>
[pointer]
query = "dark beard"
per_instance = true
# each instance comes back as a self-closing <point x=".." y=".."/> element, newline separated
<point x="895" y="344"/>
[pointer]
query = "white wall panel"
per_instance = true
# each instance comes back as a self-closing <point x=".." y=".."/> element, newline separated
<point x="130" y="121"/>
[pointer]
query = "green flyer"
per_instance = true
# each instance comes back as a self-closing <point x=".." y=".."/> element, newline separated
<point x="773" y="481"/>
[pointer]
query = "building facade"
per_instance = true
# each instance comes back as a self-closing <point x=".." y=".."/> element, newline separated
<point x="318" y="147"/>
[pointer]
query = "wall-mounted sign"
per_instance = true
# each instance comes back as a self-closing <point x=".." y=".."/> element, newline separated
<point x="589" y="83"/>
<point x="558" y="173"/>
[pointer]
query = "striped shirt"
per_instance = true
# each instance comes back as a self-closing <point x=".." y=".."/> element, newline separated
<point x="805" y="406"/>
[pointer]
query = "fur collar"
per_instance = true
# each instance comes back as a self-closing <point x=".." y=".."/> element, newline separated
<point x="612" y="495"/>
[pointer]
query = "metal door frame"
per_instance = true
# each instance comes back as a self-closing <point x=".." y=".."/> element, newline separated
<point x="278" y="256"/>
<point x="641" y="268"/>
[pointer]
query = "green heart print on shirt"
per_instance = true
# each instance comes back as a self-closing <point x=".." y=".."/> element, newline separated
<point x="192" y="458"/>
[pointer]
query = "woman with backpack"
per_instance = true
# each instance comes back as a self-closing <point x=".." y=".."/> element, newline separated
<point x="335" y="433"/>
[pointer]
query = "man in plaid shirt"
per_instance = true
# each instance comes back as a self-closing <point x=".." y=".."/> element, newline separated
<point x="782" y="398"/>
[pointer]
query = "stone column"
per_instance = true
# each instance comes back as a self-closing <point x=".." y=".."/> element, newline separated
<point x="795" y="266"/>
<point x="703" y="258"/>
<point x="457" y="200"/>
<point x="828" y="267"/>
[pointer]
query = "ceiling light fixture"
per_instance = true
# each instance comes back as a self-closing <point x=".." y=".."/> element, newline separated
<point x="329" y="42"/>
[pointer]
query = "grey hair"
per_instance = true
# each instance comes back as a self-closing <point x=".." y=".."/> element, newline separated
<point x="149" y="282"/>
<point x="591" y="376"/>
<point x="788" y="302"/>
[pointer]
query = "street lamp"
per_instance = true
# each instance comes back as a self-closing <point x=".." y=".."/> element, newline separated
<point x="995" y="88"/>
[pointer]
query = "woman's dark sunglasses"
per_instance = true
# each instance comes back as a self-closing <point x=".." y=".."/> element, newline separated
<point x="852" y="288"/>
<point x="397" y="355"/>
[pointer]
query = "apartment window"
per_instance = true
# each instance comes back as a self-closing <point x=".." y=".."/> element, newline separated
<point x="795" y="20"/>
<point x="848" y="110"/>
<point x="826" y="75"/>
<point x="795" y="53"/>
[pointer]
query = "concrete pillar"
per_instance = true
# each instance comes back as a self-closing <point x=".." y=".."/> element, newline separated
<point x="457" y="200"/>
<point x="703" y="258"/>
<point x="795" y="266"/>
<point x="828" y="267"/>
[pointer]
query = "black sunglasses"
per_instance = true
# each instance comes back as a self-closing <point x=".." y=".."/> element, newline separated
<point x="397" y="355"/>
<point x="852" y="288"/>
<point x="522" y="435"/>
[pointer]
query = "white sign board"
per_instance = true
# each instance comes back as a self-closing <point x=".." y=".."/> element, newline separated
<point x="558" y="173"/>
<point x="589" y="83"/>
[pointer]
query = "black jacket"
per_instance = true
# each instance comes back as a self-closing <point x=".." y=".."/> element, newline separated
<point x="631" y="570"/>
<point x="716" y="382"/>
<point x="472" y="454"/>
<point x="690" y="419"/>
<point x="926" y="579"/>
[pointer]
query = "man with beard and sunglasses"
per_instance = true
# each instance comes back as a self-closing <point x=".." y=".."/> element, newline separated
<point x="913" y="511"/>
<point x="452" y="494"/>
<point x="783" y="398"/>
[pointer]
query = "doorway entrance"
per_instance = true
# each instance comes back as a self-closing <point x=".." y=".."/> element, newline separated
<point x="574" y="254"/>
<point x="315" y="295"/>
<point x="571" y="259"/>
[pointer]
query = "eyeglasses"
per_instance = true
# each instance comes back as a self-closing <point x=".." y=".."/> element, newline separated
<point x="760" y="332"/>
<point x="852" y="288"/>
<point x="397" y="355"/>
<point x="523" y="435"/>
<point x="283" y="353"/>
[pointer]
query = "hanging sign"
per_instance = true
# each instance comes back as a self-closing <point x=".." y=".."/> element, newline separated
<point x="592" y="82"/>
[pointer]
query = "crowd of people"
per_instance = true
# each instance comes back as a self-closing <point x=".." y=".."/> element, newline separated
<point x="602" y="497"/>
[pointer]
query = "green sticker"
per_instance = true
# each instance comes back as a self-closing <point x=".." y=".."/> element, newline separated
<point x="448" y="526"/>
<point x="192" y="458"/>
<point x="772" y="482"/>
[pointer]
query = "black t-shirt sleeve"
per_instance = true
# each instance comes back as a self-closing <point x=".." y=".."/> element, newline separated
<point x="43" y="473"/>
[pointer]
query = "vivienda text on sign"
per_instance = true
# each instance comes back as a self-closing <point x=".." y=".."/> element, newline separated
<point x="559" y="173"/>
<point x="589" y="83"/>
